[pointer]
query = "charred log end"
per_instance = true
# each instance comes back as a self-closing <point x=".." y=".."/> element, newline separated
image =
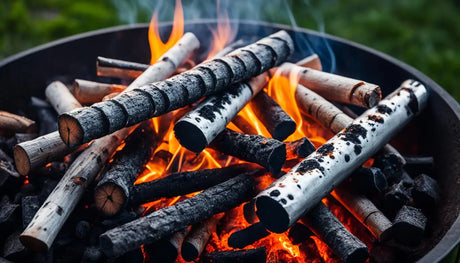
<point x="22" y="161"/>
<point x="359" y="255"/>
<point x="276" y="159"/>
<point x="284" y="129"/>
<point x="374" y="97"/>
<point x="272" y="214"/>
<point x="189" y="252"/>
<point x="33" y="243"/>
<point x="162" y="251"/>
<point x="70" y="130"/>
<point x="109" y="198"/>
<point x="190" y="136"/>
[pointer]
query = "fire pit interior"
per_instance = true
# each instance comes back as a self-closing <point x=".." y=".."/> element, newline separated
<point x="434" y="133"/>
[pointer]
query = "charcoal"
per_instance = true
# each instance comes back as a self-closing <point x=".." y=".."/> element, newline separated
<point x="399" y="194"/>
<point x="92" y="255"/>
<point x="247" y="236"/>
<point x="419" y="164"/>
<point x="385" y="254"/>
<point x="298" y="233"/>
<point x="425" y="192"/>
<point x="369" y="180"/>
<point x="53" y="170"/>
<point x="249" y="212"/>
<point x="8" y="215"/>
<point x="242" y="256"/>
<point x="409" y="226"/>
<point x="82" y="229"/>
<point x="13" y="249"/>
<point x="30" y="205"/>
<point x="391" y="166"/>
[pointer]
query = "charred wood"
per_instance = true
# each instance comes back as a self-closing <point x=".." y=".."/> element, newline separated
<point x="369" y="180"/>
<point x="247" y="236"/>
<point x="269" y="153"/>
<point x="397" y="196"/>
<point x="391" y="166"/>
<point x="286" y="199"/>
<point x="299" y="233"/>
<point x="44" y="113"/>
<point x="409" y="226"/>
<point x="186" y="182"/>
<point x="166" y="250"/>
<point x="249" y="212"/>
<point x="244" y="125"/>
<point x="201" y="125"/>
<point x="87" y="92"/>
<point x="425" y="192"/>
<point x="331" y="231"/>
<point x="13" y="249"/>
<point x="9" y="213"/>
<point x="109" y="67"/>
<point x="278" y="123"/>
<point x="256" y="255"/>
<point x="168" y="220"/>
<point x="300" y="148"/>
<point x="419" y="164"/>
<point x="155" y="99"/>
<point x="30" y="205"/>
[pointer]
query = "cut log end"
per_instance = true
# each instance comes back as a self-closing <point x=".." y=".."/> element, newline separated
<point x="189" y="251"/>
<point x="70" y="130"/>
<point x="272" y="214"/>
<point x="33" y="243"/>
<point x="190" y="136"/>
<point x="374" y="97"/>
<point x="284" y="129"/>
<point x="276" y="159"/>
<point x="109" y="198"/>
<point x="22" y="161"/>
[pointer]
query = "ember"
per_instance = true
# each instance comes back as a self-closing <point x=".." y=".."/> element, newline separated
<point x="201" y="180"/>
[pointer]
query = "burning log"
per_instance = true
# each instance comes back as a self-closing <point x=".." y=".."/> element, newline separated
<point x="365" y="211"/>
<point x="168" y="220"/>
<point x="269" y="153"/>
<point x="369" y="180"/>
<point x="88" y="92"/>
<point x="242" y="124"/>
<point x="256" y="255"/>
<point x="196" y="240"/>
<point x="425" y="192"/>
<point x="201" y="125"/>
<point x="409" y="225"/>
<point x="300" y="148"/>
<point x="299" y="233"/>
<point x="112" y="192"/>
<point x="278" y="123"/>
<point x="11" y="123"/>
<point x="80" y="126"/>
<point x="185" y="183"/>
<point x="60" y="97"/>
<point x="285" y="200"/>
<point x="247" y="236"/>
<point x="331" y="231"/>
<point x="311" y="61"/>
<point x="168" y="249"/>
<point x="109" y="67"/>
<point x="335" y="87"/>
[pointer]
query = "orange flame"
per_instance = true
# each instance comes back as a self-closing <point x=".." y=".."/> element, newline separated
<point x="157" y="46"/>
<point x="224" y="33"/>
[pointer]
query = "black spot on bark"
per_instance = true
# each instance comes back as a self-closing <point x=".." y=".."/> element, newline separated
<point x="413" y="102"/>
<point x="353" y="132"/>
<point x="309" y="165"/>
<point x="275" y="193"/>
<point x="347" y="158"/>
<point x="283" y="201"/>
<point x="357" y="149"/>
<point x="384" y="109"/>
<point x="375" y="118"/>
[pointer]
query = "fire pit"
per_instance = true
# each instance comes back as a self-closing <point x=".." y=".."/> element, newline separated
<point x="433" y="133"/>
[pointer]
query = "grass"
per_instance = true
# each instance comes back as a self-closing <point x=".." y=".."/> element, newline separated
<point x="422" y="33"/>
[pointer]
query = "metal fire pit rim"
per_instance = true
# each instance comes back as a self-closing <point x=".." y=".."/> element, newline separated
<point x="451" y="238"/>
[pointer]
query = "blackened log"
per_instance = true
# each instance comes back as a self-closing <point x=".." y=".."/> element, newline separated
<point x="398" y="195"/>
<point x="244" y="125"/>
<point x="409" y="226"/>
<point x="60" y="97"/>
<point x="365" y="211"/>
<point x="201" y="125"/>
<point x="87" y="92"/>
<point x="391" y="166"/>
<point x="168" y="220"/>
<point x="425" y="192"/>
<point x="419" y="164"/>
<point x="249" y="212"/>
<point x="278" y="123"/>
<point x="199" y="235"/>
<point x="247" y="236"/>
<point x="300" y="148"/>
<point x="13" y="249"/>
<point x="53" y="170"/>
<point x="116" y="68"/>
<point x="369" y="180"/>
<point x="44" y="114"/>
<point x="166" y="250"/>
<point x="185" y="183"/>
<point x="11" y="123"/>
<point x="267" y="152"/>
<point x="256" y="255"/>
<point x="8" y="215"/>
<point x="30" y="205"/>
<point x="92" y="255"/>
<point x="335" y="87"/>
<point x="121" y="218"/>
<point x="155" y="99"/>
<point x="113" y="191"/>
<point x="331" y="231"/>
<point x="286" y="199"/>
<point x="299" y="233"/>
<point x="311" y="61"/>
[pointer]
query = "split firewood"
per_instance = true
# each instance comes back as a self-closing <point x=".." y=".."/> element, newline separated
<point x="32" y="154"/>
<point x="11" y="123"/>
<point x="300" y="148"/>
<point x="267" y="152"/>
<point x="247" y="236"/>
<point x="87" y="92"/>
<point x="311" y="61"/>
<point x="278" y="123"/>
<point x="109" y="67"/>
<point x="168" y="249"/>
<point x="186" y="182"/>
<point x="244" y="125"/>
<point x="196" y="240"/>
<point x="365" y="211"/>
<point x="112" y="192"/>
<point x="256" y="255"/>
<point x="334" y="87"/>
<point x="331" y="231"/>
<point x="211" y="77"/>
<point x="168" y="220"/>
<point x="409" y="226"/>
<point x="201" y="125"/>
<point x="285" y="200"/>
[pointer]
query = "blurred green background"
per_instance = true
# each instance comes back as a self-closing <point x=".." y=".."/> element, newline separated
<point x="422" y="33"/>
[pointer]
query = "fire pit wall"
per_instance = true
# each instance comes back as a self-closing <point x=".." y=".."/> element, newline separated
<point x="433" y="133"/>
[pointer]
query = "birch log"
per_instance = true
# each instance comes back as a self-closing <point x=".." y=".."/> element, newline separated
<point x="201" y="125"/>
<point x="88" y="92"/>
<point x="311" y="61"/>
<point x="285" y="200"/>
<point x="335" y="87"/>
<point x="151" y="100"/>
<point x="116" y="68"/>
<point x="35" y="153"/>
<point x="169" y="220"/>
